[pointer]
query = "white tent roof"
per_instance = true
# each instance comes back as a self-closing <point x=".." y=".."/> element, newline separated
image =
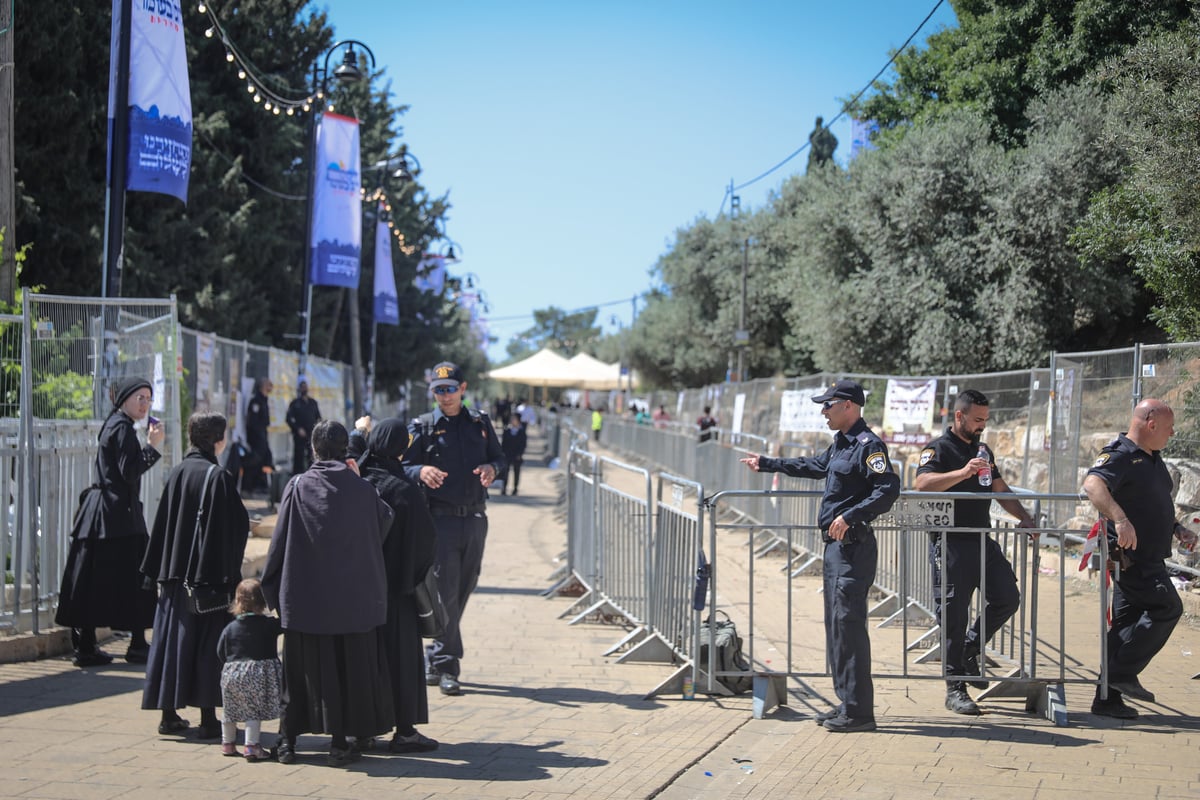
<point x="543" y="368"/>
<point x="594" y="374"/>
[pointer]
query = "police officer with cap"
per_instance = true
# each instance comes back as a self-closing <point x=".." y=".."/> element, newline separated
<point x="454" y="454"/>
<point x="859" y="486"/>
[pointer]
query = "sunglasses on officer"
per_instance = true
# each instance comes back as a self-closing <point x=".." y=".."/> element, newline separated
<point x="445" y="389"/>
<point x="828" y="404"/>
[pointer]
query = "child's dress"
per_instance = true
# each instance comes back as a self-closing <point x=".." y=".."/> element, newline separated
<point x="251" y="675"/>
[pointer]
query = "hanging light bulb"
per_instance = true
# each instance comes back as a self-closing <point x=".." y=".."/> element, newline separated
<point x="305" y="107"/>
<point x="275" y="110"/>
<point x="250" y="88"/>
<point x="291" y="111"/>
<point x="257" y="97"/>
<point x="331" y="108"/>
<point x="268" y="105"/>
<point x="241" y="74"/>
<point x="208" y="33"/>
<point x="203" y="9"/>
<point x="229" y="56"/>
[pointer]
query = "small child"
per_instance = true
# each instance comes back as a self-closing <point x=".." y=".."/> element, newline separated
<point x="251" y="675"/>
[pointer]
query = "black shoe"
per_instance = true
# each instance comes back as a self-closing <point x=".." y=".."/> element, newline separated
<point x="844" y="724"/>
<point x="413" y="743"/>
<point x="1113" y="707"/>
<point x="208" y="730"/>
<point x="836" y="711"/>
<point x="137" y="655"/>
<point x="958" y="701"/>
<point x="971" y="667"/>
<point x="1132" y="688"/>
<point x="97" y="658"/>
<point x="285" y="752"/>
<point x="342" y="756"/>
<point x="514" y="492"/>
<point x="362" y="744"/>
<point x="172" y="727"/>
<point x="450" y="685"/>
<point x="432" y="677"/>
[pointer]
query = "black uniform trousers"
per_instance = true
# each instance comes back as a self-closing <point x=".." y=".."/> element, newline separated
<point x="1145" y="608"/>
<point x="849" y="573"/>
<point x="301" y="454"/>
<point x="458" y="562"/>
<point x="962" y="571"/>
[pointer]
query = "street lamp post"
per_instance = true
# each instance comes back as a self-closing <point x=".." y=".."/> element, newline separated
<point x="403" y="173"/>
<point x="348" y="72"/>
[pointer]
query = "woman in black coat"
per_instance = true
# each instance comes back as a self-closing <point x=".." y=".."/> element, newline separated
<point x="101" y="584"/>
<point x="408" y="553"/>
<point x="183" y="669"/>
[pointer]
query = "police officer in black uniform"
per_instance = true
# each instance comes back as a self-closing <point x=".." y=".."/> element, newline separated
<point x="453" y="452"/>
<point x="303" y="414"/>
<point x="258" y="420"/>
<point x="1130" y="486"/>
<point x="953" y="462"/>
<point x="859" y="486"/>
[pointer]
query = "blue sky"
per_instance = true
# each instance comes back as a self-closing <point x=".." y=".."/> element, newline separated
<point x="575" y="138"/>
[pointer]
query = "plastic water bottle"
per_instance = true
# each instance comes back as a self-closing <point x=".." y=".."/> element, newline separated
<point x="985" y="474"/>
<point x="689" y="688"/>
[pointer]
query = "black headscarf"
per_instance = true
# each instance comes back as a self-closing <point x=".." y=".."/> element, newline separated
<point x="388" y="441"/>
<point x="127" y="387"/>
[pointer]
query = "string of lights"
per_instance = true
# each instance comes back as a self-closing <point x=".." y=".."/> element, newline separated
<point x="287" y="100"/>
<point x="729" y="191"/>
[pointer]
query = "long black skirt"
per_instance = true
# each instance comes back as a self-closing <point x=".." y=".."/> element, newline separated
<point x="102" y="585"/>
<point x="406" y="660"/>
<point x="183" y="668"/>
<point x="336" y="684"/>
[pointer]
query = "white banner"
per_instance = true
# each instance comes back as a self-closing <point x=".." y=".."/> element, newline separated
<point x="160" y="102"/>
<point x="908" y="411"/>
<point x="799" y="414"/>
<point x="387" y="304"/>
<point x="336" y="238"/>
<point x="739" y="412"/>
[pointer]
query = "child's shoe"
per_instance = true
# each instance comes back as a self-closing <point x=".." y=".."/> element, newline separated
<point x="229" y="749"/>
<point x="256" y="752"/>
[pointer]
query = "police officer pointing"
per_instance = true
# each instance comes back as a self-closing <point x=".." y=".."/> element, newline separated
<point x="453" y="452"/>
<point x="859" y="486"/>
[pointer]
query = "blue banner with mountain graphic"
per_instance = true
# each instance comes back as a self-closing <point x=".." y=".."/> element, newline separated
<point x="336" y="237"/>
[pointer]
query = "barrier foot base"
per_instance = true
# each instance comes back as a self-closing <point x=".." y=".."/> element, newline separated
<point x="567" y="585"/>
<point x="603" y="609"/>
<point x="807" y="565"/>
<point x="770" y="692"/>
<point x="585" y="600"/>
<point x="934" y="653"/>
<point x="1048" y="700"/>
<point x="890" y="607"/>
<point x="651" y="650"/>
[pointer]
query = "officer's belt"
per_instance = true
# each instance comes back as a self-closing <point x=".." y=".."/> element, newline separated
<point x="447" y="510"/>
<point x="851" y="533"/>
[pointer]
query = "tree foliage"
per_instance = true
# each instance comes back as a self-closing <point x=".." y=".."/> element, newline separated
<point x="234" y="255"/>
<point x="565" y="332"/>
<point x="1150" y="222"/>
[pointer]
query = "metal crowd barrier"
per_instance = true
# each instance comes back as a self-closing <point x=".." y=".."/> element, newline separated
<point x="1021" y="660"/>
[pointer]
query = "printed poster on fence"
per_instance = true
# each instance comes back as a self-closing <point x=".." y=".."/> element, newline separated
<point x="205" y="350"/>
<point x="336" y="237"/>
<point x="908" y="409"/>
<point x="798" y="413"/>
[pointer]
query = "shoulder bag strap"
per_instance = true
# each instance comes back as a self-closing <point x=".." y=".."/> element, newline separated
<point x="199" y="531"/>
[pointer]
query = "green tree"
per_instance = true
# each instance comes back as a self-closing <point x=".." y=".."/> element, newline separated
<point x="1005" y="53"/>
<point x="567" y="333"/>
<point x="1150" y="223"/>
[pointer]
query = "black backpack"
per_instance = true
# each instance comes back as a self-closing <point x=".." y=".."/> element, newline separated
<point x="723" y="635"/>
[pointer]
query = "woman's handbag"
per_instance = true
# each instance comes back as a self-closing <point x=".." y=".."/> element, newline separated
<point x="204" y="599"/>
<point x="431" y="614"/>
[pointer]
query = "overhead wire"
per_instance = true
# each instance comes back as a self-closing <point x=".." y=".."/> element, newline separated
<point x="729" y="191"/>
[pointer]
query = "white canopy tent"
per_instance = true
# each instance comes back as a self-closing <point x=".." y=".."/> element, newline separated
<point x="594" y="374"/>
<point x="544" y="368"/>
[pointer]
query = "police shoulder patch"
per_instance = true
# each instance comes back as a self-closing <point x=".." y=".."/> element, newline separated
<point x="877" y="462"/>
<point x="864" y="437"/>
<point x="926" y="456"/>
<point x="1102" y="460"/>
